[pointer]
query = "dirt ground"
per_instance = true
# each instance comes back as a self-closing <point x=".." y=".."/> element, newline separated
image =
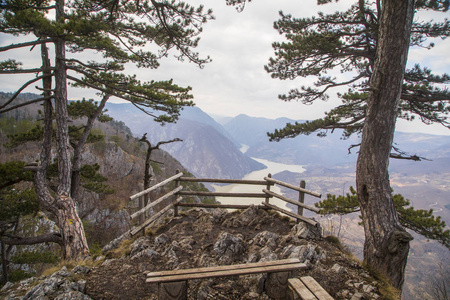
<point x="192" y="237"/>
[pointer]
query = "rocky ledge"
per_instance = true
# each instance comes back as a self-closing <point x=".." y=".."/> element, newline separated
<point x="199" y="238"/>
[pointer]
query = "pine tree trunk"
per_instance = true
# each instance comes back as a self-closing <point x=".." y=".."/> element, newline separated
<point x="386" y="242"/>
<point x="72" y="231"/>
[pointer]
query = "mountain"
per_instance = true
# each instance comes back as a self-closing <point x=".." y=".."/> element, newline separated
<point x="207" y="150"/>
<point x="330" y="150"/>
<point x="303" y="150"/>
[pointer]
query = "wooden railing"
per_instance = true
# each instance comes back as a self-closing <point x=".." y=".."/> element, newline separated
<point x="178" y="192"/>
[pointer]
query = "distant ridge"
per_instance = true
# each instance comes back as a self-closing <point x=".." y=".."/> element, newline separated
<point x="207" y="149"/>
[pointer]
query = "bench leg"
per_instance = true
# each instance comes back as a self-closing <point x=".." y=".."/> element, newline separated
<point x="172" y="290"/>
<point x="277" y="285"/>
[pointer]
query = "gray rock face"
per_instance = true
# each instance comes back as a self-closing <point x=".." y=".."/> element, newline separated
<point x="228" y="247"/>
<point x="59" y="285"/>
<point x="306" y="231"/>
<point x="198" y="238"/>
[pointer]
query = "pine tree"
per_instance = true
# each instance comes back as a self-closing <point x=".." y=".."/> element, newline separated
<point x="368" y="44"/>
<point x="121" y="33"/>
<point x="419" y="220"/>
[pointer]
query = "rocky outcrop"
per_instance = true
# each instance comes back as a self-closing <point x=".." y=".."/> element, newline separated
<point x="199" y="238"/>
<point x="61" y="285"/>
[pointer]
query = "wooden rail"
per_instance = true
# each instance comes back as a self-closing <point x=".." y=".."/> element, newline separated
<point x="229" y="181"/>
<point x="243" y="195"/>
<point x="161" y="184"/>
<point x="293" y="187"/>
<point x="178" y="192"/>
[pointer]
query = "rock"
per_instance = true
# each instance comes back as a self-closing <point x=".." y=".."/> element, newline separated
<point x="81" y="285"/>
<point x="139" y="245"/>
<point x="108" y="262"/>
<point x="73" y="295"/>
<point x="7" y="286"/>
<point x="62" y="273"/>
<point x="60" y="286"/>
<point x="81" y="270"/>
<point x="265" y="238"/>
<point x="114" y="244"/>
<point x="248" y="217"/>
<point x="218" y="215"/>
<point x="266" y="254"/>
<point x="146" y="253"/>
<point x="228" y="244"/>
<point x="161" y="240"/>
<point x="252" y="295"/>
<point x="367" y="288"/>
<point x="306" y="231"/>
<point x="357" y="296"/>
<point x="338" y="269"/>
<point x="308" y="252"/>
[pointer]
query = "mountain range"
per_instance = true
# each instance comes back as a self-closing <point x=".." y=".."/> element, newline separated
<point x="210" y="149"/>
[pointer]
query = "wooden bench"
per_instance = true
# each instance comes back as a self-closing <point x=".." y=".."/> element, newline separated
<point x="173" y="284"/>
<point x="307" y="288"/>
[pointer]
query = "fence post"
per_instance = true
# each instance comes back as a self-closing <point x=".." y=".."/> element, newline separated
<point x="141" y="206"/>
<point x="301" y="198"/>
<point x="175" y="207"/>
<point x="268" y="188"/>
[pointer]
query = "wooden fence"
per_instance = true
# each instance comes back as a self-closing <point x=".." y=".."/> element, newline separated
<point x="178" y="192"/>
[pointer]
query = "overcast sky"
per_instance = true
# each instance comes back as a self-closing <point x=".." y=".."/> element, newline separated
<point x="240" y="45"/>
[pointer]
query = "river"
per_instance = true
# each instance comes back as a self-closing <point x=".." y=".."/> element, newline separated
<point x="272" y="168"/>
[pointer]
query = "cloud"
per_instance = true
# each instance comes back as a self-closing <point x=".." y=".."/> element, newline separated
<point x="240" y="45"/>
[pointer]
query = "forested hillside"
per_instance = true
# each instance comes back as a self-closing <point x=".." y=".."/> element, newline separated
<point x="118" y="160"/>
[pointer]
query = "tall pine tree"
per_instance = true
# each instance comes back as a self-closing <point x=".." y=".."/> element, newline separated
<point x="369" y="45"/>
<point x="120" y="32"/>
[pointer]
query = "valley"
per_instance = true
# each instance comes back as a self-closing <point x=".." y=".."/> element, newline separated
<point x="328" y="167"/>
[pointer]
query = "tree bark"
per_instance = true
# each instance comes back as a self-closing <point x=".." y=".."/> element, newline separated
<point x="52" y="237"/>
<point x="72" y="231"/>
<point x="386" y="242"/>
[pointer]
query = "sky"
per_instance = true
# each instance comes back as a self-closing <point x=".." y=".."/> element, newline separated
<point x="239" y="44"/>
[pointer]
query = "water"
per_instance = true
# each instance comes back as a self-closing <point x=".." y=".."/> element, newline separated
<point x="272" y="168"/>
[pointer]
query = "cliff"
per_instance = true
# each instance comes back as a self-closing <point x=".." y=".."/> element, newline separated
<point x="198" y="238"/>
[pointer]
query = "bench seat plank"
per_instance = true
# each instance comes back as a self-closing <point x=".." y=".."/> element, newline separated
<point x="227" y="272"/>
<point x="316" y="288"/>
<point x="302" y="291"/>
<point x="223" y="268"/>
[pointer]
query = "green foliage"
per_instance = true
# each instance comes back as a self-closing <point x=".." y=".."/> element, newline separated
<point x="13" y="172"/>
<point x="340" y="205"/>
<point x="422" y="221"/>
<point x="346" y="41"/>
<point x="10" y="126"/>
<point x="93" y="180"/>
<point x="86" y="108"/>
<point x="18" y="275"/>
<point x="418" y="220"/>
<point x="34" y="257"/>
<point x="156" y="168"/>
<point x="33" y="134"/>
<point x="15" y="204"/>
<point x="122" y="34"/>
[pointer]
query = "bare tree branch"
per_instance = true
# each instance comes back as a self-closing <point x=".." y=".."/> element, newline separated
<point x="53" y="237"/>
<point x="22" y="71"/>
<point x="22" y="88"/>
<point x="26" y="103"/>
<point x="26" y="44"/>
